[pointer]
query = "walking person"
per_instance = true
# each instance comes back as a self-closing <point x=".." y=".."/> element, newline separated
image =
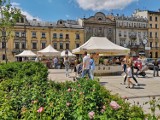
<point x="55" y="62"/>
<point x="156" y="69"/>
<point x="129" y="60"/>
<point x="66" y="64"/>
<point x="92" y="66"/>
<point x="86" y="65"/>
<point x="125" y="68"/>
<point x="129" y="76"/>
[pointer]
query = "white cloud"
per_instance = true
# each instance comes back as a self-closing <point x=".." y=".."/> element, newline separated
<point x="27" y="14"/>
<point x="103" y="4"/>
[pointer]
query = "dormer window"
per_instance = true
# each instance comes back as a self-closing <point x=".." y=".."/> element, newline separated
<point x="99" y="18"/>
<point x="60" y="22"/>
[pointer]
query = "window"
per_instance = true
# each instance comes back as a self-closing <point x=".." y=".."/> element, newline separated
<point x="67" y="36"/>
<point x="139" y="34"/>
<point x="43" y="45"/>
<point x="67" y="45"/>
<point x="77" y="36"/>
<point x="55" y="45"/>
<point x="34" y="45"/>
<point x="54" y="35"/>
<point x="125" y="34"/>
<point x="156" y="35"/>
<point x="3" y="45"/>
<point x="156" y="26"/>
<point x="23" y="45"/>
<point x="17" y="34"/>
<point x="17" y="46"/>
<point x="150" y="44"/>
<point x="150" y="34"/>
<point x="150" y="25"/>
<point x="43" y="35"/>
<point x="120" y="34"/>
<point x="61" y="45"/>
<point x="33" y="34"/>
<point x="156" y="44"/>
<point x="77" y="45"/>
<point x="23" y="34"/>
<point x="61" y="36"/>
<point x="110" y="30"/>
<point x="156" y="19"/>
<point x="150" y="18"/>
<point x="3" y="56"/>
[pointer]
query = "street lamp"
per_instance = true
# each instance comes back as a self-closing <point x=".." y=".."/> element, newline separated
<point x="4" y="41"/>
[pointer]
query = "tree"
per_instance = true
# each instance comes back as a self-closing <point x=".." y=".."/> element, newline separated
<point x="8" y="18"/>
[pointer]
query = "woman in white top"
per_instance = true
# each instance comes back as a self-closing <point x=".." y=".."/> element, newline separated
<point x="129" y="75"/>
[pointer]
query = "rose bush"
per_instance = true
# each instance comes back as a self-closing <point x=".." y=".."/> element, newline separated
<point x="27" y="94"/>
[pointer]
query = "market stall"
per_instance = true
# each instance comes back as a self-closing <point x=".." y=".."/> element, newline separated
<point x="47" y="54"/>
<point x="26" y="55"/>
<point x="102" y="46"/>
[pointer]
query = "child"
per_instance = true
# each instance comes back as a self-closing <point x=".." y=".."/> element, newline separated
<point x="129" y="76"/>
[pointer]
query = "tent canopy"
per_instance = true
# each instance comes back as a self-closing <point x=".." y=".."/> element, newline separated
<point x="26" y="53"/>
<point x="101" y="45"/>
<point x="69" y="53"/>
<point x="49" y="51"/>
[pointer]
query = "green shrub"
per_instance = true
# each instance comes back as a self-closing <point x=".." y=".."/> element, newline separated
<point x="28" y="95"/>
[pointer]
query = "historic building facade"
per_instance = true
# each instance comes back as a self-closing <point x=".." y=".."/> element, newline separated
<point x="35" y="35"/>
<point x="99" y="26"/>
<point x="153" y="30"/>
<point x="131" y="33"/>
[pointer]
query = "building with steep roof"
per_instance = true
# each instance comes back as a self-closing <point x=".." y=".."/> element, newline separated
<point x="98" y="25"/>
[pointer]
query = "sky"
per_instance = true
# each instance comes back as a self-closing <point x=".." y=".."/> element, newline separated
<point x="53" y="10"/>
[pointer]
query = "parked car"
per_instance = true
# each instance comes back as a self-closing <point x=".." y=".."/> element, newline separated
<point x="150" y="63"/>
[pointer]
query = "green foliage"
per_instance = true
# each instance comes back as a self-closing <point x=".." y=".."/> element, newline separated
<point x="26" y="94"/>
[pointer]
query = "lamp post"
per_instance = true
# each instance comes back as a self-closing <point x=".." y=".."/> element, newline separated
<point x="4" y="41"/>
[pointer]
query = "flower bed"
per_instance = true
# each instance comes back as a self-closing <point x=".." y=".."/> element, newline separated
<point x="26" y="94"/>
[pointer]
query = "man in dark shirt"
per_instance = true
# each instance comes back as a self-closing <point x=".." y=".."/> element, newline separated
<point x="156" y="68"/>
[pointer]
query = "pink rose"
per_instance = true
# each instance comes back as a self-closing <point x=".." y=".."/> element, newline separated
<point x="69" y="90"/>
<point x="41" y="109"/>
<point x="68" y="104"/>
<point x="124" y="97"/>
<point x="104" y="107"/>
<point x="102" y="110"/>
<point x="114" y="105"/>
<point x="91" y="114"/>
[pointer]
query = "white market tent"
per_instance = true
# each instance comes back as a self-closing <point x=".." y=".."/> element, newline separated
<point x="69" y="54"/>
<point x="48" y="51"/>
<point x="101" y="45"/>
<point x="26" y="53"/>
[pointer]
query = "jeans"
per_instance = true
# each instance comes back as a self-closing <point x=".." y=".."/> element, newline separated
<point x="92" y="74"/>
<point x="156" y="69"/>
<point x="67" y="70"/>
<point x="85" y="72"/>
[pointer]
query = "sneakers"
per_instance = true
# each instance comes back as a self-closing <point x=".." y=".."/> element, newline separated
<point x="137" y="84"/>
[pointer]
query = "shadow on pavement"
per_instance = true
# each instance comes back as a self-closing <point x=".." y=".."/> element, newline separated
<point x="103" y="83"/>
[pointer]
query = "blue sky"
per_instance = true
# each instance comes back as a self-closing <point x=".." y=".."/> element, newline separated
<point x="53" y="10"/>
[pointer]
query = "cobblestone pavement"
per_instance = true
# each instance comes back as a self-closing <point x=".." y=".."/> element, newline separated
<point x="148" y="86"/>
